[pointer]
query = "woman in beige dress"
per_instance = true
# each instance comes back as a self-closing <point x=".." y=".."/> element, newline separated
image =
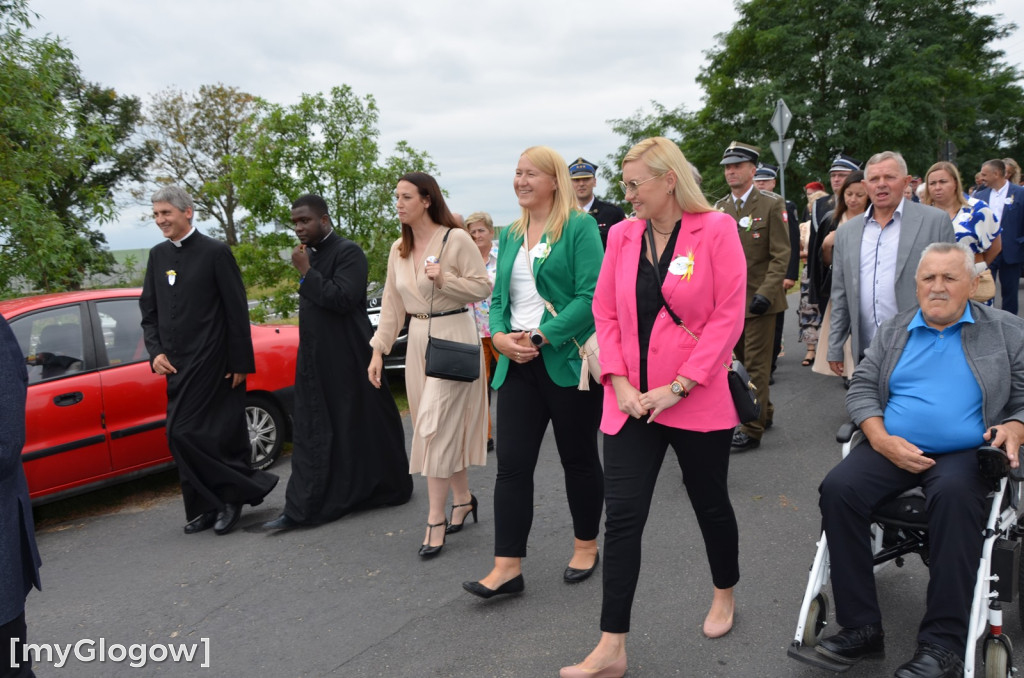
<point x="449" y="417"/>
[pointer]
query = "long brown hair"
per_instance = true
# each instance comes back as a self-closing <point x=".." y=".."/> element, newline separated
<point x="854" y="178"/>
<point x="437" y="210"/>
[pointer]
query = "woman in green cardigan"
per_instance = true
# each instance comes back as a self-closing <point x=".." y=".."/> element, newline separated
<point x="548" y="262"/>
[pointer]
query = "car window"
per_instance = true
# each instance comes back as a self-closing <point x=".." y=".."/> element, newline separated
<point x="51" y="342"/>
<point x="120" y="320"/>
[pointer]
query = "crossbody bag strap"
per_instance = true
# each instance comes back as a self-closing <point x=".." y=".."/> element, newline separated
<point x="433" y="287"/>
<point x="664" y="302"/>
<point x="547" y="304"/>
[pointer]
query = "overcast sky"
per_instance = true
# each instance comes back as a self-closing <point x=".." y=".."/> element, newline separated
<point x="470" y="83"/>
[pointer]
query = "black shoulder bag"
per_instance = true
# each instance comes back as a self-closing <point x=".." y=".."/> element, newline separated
<point x="742" y="390"/>
<point x="445" y="359"/>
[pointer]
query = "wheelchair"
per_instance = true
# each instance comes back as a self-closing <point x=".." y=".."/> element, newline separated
<point x="900" y="528"/>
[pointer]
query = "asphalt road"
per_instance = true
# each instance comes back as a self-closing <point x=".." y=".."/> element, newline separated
<point x="353" y="599"/>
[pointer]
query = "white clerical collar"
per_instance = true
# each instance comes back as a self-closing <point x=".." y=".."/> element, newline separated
<point x="323" y="239"/>
<point x="177" y="243"/>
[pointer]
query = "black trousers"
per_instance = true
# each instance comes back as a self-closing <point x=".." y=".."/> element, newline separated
<point x="15" y="628"/>
<point x="955" y="500"/>
<point x="527" y="401"/>
<point x="632" y="460"/>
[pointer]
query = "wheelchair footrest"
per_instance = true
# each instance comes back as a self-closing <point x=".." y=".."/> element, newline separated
<point x="807" y="655"/>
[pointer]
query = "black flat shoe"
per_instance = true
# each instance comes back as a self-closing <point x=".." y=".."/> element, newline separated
<point x="849" y="646"/>
<point x="203" y="522"/>
<point x="573" y="575"/>
<point x="227" y="518"/>
<point x="932" y="661"/>
<point x="282" y="522"/>
<point x="741" y="442"/>
<point x="454" y="527"/>
<point x="513" y="585"/>
<point x="428" y="551"/>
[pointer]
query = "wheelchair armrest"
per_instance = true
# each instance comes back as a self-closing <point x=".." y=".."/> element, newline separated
<point x="845" y="432"/>
<point x="993" y="462"/>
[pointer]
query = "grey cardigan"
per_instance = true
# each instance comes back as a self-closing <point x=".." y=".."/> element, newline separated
<point x="993" y="346"/>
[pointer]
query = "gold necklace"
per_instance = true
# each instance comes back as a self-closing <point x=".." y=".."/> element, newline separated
<point x="660" y="232"/>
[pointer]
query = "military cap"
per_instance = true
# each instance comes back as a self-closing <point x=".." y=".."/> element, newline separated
<point x="738" y="152"/>
<point x="765" y="172"/>
<point x="582" y="169"/>
<point x="844" y="163"/>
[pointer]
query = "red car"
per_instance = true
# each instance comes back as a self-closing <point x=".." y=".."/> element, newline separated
<point x="96" y="411"/>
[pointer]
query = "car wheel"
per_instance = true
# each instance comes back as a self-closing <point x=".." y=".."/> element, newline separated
<point x="266" y="426"/>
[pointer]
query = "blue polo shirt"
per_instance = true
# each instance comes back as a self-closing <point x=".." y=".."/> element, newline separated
<point x="934" y="400"/>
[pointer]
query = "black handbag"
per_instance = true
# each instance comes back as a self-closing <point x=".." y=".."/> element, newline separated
<point x="744" y="393"/>
<point x="446" y="359"/>
<point x="742" y="390"/>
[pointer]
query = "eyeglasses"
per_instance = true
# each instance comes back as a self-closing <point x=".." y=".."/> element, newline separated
<point x="634" y="185"/>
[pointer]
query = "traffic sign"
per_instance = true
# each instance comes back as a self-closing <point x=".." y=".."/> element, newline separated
<point x="780" y="120"/>
<point x="782" y="150"/>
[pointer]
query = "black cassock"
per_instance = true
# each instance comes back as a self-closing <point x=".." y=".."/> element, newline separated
<point x="194" y="310"/>
<point x="349" y="446"/>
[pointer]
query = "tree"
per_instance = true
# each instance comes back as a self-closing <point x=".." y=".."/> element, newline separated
<point x="328" y="145"/>
<point x="65" y="147"/>
<point x="82" y="191"/>
<point x="860" y="77"/>
<point x="199" y="141"/>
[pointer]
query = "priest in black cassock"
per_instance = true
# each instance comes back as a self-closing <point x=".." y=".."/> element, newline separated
<point x="195" y="320"/>
<point x="349" y="446"/>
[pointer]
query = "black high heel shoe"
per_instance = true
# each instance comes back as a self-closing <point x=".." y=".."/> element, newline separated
<point x="472" y="503"/>
<point x="428" y="551"/>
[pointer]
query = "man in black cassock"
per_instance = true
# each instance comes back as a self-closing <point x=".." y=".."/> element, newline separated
<point x="349" y="446"/>
<point x="195" y="319"/>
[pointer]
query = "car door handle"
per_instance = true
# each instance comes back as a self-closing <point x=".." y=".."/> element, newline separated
<point x="66" y="399"/>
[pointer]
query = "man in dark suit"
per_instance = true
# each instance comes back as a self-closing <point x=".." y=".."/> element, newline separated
<point x="1007" y="202"/>
<point x="19" y="557"/>
<point x="892" y="234"/>
<point x="765" y="178"/>
<point x="584" y="180"/>
<point x="760" y="218"/>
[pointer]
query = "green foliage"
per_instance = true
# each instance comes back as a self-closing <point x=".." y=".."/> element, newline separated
<point x="327" y="145"/>
<point x="269" y="277"/>
<point x="860" y="76"/>
<point x="198" y="142"/>
<point x="65" y="147"/>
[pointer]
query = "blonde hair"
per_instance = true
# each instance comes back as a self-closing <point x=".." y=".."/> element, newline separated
<point x="813" y="198"/>
<point x="551" y="163"/>
<point x="480" y="218"/>
<point x="1012" y="170"/>
<point x="958" y="189"/>
<point x="661" y="156"/>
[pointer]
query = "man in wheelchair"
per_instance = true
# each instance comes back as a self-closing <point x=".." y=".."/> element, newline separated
<point x="935" y="384"/>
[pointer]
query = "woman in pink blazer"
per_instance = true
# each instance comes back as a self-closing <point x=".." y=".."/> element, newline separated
<point x="662" y="386"/>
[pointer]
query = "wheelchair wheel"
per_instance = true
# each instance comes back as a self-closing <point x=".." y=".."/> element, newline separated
<point x="814" y="624"/>
<point x="998" y="657"/>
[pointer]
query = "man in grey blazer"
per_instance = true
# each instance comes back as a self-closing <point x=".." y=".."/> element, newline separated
<point x="19" y="557"/>
<point x="875" y="256"/>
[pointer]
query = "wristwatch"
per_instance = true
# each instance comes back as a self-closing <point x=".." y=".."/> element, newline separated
<point x="677" y="389"/>
<point x="536" y="337"/>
